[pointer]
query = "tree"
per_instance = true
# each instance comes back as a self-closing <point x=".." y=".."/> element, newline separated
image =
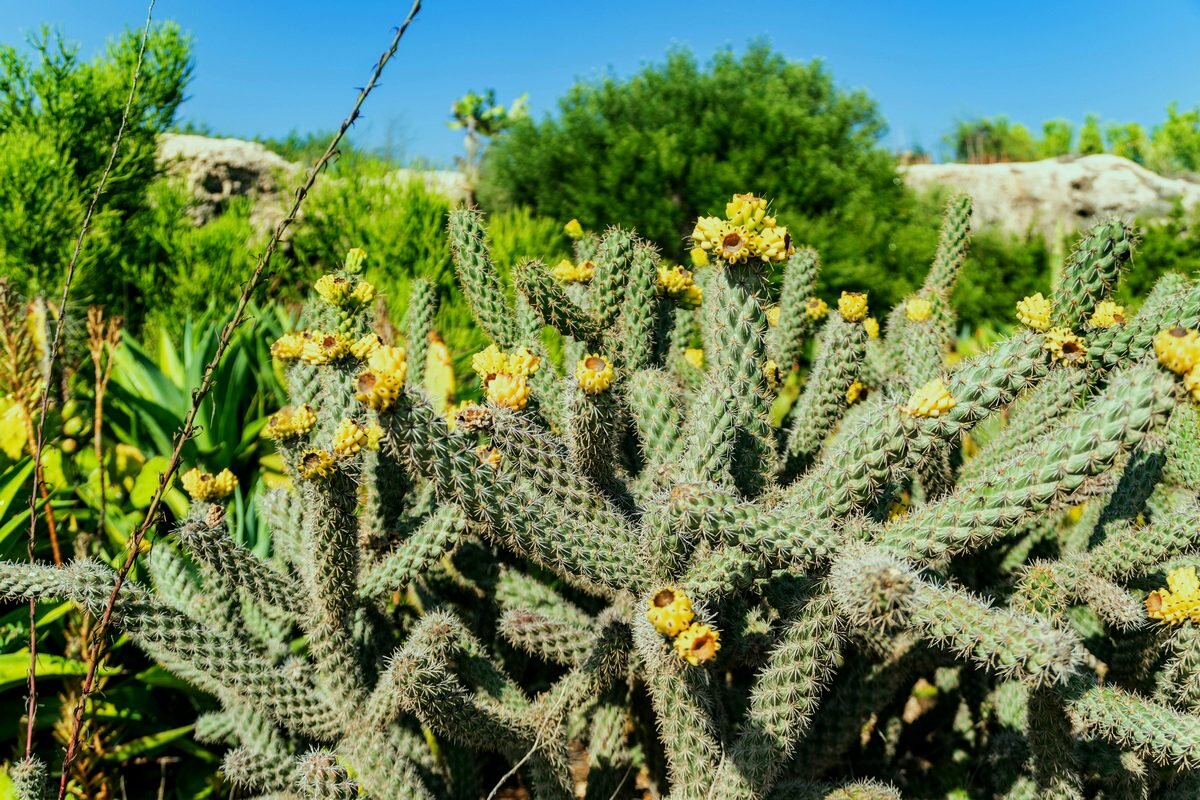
<point x="1057" y="135"/>
<point x="1175" y="145"/>
<point x="1128" y="140"/>
<point x="482" y="118"/>
<point x="1091" y="140"/>
<point x="677" y="139"/>
<point x="988" y="140"/>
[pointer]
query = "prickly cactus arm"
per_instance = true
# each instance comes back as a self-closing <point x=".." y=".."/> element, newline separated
<point x="553" y="305"/>
<point x="649" y="395"/>
<point x="710" y="434"/>
<point x="683" y="704"/>
<point x="1049" y="588"/>
<point x="437" y="535"/>
<point x="1091" y="272"/>
<point x="614" y="262"/>
<point x="517" y="590"/>
<point x="636" y="340"/>
<point x="1179" y="679"/>
<point x="609" y="758"/>
<point x="593" y="424"/>
<point x="478" y="277"/>
<point x="390" y="762"/>
<point x="921" y="353"/>
<point x="331" y="534"/>
<point x="171" y="576"/>
<point x="388" y="485"/>
<point x="320" y="776"/>
<point x="205" y="536"/>
<point x="1053" y="746"/>
<point x="1131" y="722"/>
<point x="262" y="772"/>
<point x="30" y="779"/>
<point x="418" y="324"/>
<point x="855" y="790"/>
<point x="785" y="696"/>
<point x="841" y="349"/>
<point x="873" y="589"/>
<point x="1131" y="549"/>
<point x="550" y="639"/>
<point x="785" y="342"/>
<point x="953" y="241"/>
<point x="986" y="508"/>
<point x="1174" y="300"/>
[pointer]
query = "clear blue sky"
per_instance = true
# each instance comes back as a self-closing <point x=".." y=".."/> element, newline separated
<point x="266" y="67"/>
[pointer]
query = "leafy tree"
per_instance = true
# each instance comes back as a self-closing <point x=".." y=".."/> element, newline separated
<point x="1128" y="141"/>
<point x="677" y="139"/>
<point x="1175" y="145"/>
<point x="482" y="118"/>
<point x="988" y="140"/>
<point x="1091" y="140"/>
<point x="1057" y="136"/>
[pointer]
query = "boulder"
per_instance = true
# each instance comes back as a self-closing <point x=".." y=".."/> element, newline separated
<point x="1058" y="195"/>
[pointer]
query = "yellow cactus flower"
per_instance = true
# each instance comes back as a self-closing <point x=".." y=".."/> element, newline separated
<point x="918" y="309"/>
<point x="594" y="373"/>
<point x="1034" y="312"/>
<point x="509" y="391"/>
<point x="374" y="435"/>
<point x="872" y="327"/>
<point x="699" y="257"/>
<point x="333" y="289"/>
<point x="698" y="644"/>
<point x="931" y="400"/>
<point x="774" y="244"/>
<point x="735" y="245"/>
<point x="773" y="374"/>
<point x="693" y="297"/>
<point x="815" y="308"/>
<point x="855" y="392"/>
<point x="288" y="347"/>
<point x="900" y="506"/>
<point x="1191" y="383"/>
<point x="364" y="347"/>
<point x="348" y="438"/>
<point x="1180" y="601"/>
<point x="363" y="293"/>
<point x="674" y="280"/>
<point x="585" y="270"/>
<point x="746" y="210"/>
<point x="563" y="271"/>
<point x="387" y="358"/>
<point x="1178" y="349"/>
<point x="316" y="464"/>
<point x="773" y="316"/>
<point x="289" y="422"/>
<point x="1063" y="345"/>
<point x="355" y="257"/>
<point x="522" y="362"/>
<point x="204" y="487"/>
<point x="708" y="232"/>
<point x="573" y="229"/>
<point x="853" y="306"/>
<point x="1107" y="314"/>
<point x="488" y="456"/>
<point x="694" y="356"/>
<point x="670" y="611"/>
<point x="488" y="363"/>
<point x="378" y="390"/>
<point x="324" y="348"/>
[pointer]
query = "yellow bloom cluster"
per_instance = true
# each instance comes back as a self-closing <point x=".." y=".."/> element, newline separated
<point x="374" y="435"/>
<point x="853" y="306"/>
<point x="931" y="400"/>
<point x="1180" y="601"/>
<point x="364" y="347"/>
<point x="694" y="356"/>
<point x="872" y="327"/>
<point x="316" y="464"/>
<point x="855" y="392"/>
<point x="670" y="612"/>
<point x="204" y="487"/>
<point x="289" y="422"/>
<point x="1107" y="314"/>
<point x="773" y="374"/>
<point x="1065" y="346"/>
<point x="815" y="308"/>
<point x="505" y="376"/>
<point x="1034" y="312"/>
<point x="355" y="257"/>
<point x="1178" y="349"/>
<point x="566" y="272"/>
<point x="918" y="309"/>
<point x="773" y="316"/>
<point x="488" y="456"/>
<point x="289" y="346"/>
<point x="379" y="385"/>
<point x="699" y="257"/>
<point x="338" y="290"/>
<point x="699" y="643"/>
<point x="324" y="348"/>
<point x="348" y="438"/>
<point x="594" y="373"/>
<point x="679" y="284"/>
<point x="573" y="229"/>
<point x="746" y="232"/>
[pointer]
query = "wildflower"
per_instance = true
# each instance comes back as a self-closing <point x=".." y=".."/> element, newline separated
<point x="1034" y="312"/>
<point x="855" y="392"/>
<point x="363" y="293"/>
<point x="735" y="245"/>
<point x="931" y="400"/>
<point x="853" y="306"/>
<point x="1191" y="382"/>
<point x="509" y="391"/>
<point x="773" y="374"/>
<point x="674" y="280"/>
<point x="872" y="327"/>
<point x="585" y="270"/>
<point x="900" y="506"/>
<point x="288" y="422"/>
<point x="694" y="356"/>
<point x="594" y="373"/>
<point x="815" y="308"/>
<point x="773" y="316"/>
<point x="522" y="362"/>
<point x="573" y="229"/>
<point x="204" y="487"/>
<point x="355" y="257"/>
<point x="324" y="348"/>
<point x="1178" y="349"/>
<point x="918" y="309"/>
<point x="699" y="643"/>
<point x="378" y="390"/>
<point x="670" y="611"/>
<point x="488" y="456"/>
<point x="692" y="297"/>
<point x="316" y="464"/>
<point x="1107" y="314"/>
<point x="348" y="438"/>
<point x="1180" y="601"/>
<point x="774" y="244"/>
<point x="333" y="289"/>
<point x="488" y="363"/>
<point x="708" y="232"/>
<point x="563" y="271"/>
<point x="364" y="347"/>
<point x="374" y="435"/>
<point x="1065" y="346"/>
<point x="386" y="358"/>
<point x="748" y="211"/>
<point x="699" y="257"/>
<point x="288" y="347"/>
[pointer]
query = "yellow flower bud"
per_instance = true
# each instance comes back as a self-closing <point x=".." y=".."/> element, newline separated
<point x="594" y="373"/>
<point x="853" y="306"/>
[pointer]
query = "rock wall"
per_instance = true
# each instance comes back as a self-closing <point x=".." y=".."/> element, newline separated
<point x="1057" y="195"/>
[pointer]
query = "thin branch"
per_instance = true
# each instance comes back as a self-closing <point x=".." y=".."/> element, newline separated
<point x="185" y="433"/>
<point x="55" y="347"/>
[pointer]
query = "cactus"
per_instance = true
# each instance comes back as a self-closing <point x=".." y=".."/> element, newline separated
<point x="620" y="564"/>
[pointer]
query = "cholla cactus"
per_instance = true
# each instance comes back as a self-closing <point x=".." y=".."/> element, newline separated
<point x="855" y="592"/>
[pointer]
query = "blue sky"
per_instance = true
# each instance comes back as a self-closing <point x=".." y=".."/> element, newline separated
<point x="267" y="67"/>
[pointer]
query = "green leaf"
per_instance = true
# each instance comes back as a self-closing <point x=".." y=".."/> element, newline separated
<point x="146" y="483"/>
<point x="14" y="668"/>
<point x="146" y="744"/>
